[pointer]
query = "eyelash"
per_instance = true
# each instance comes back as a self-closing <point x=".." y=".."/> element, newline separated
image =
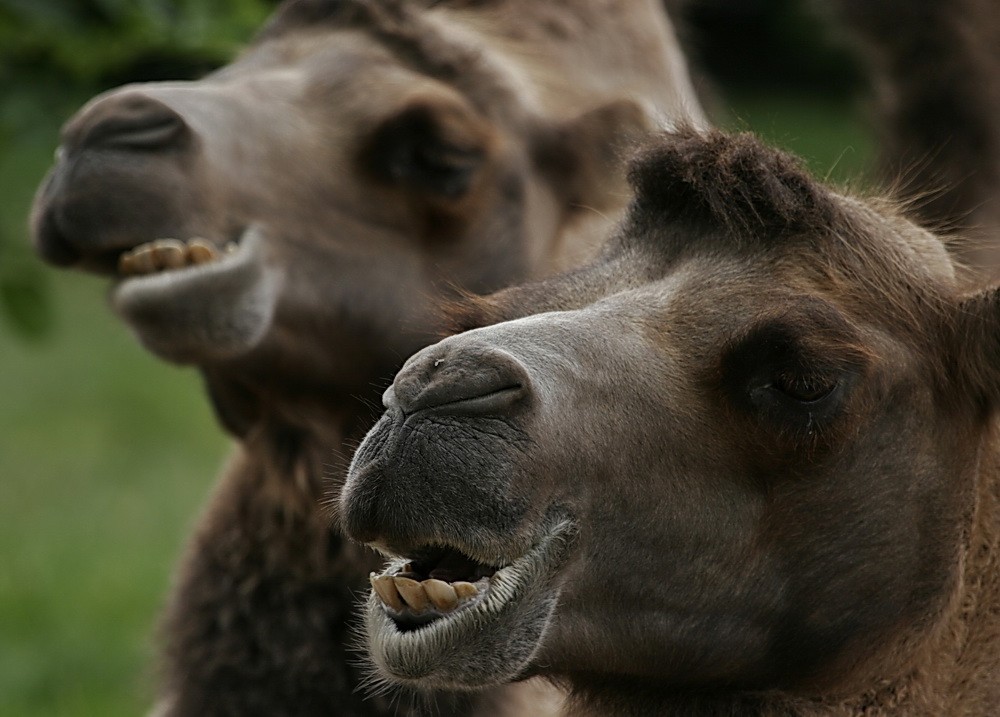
<point x="804" y="387"/>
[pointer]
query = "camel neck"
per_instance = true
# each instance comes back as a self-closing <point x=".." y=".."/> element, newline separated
<point x="308" y="456"/>
<point x="279" y="493"/>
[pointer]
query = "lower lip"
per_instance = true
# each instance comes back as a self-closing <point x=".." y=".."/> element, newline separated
<point x="472" y="646"/>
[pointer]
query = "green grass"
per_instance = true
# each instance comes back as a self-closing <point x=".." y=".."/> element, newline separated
<point x="107" y="453"/>
<point x="831" y="137"/>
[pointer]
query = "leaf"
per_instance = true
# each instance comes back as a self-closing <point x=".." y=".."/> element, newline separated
<point x="26" y="305"/>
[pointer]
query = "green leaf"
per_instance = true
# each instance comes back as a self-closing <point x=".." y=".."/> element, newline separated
<point x="25" y="304"/>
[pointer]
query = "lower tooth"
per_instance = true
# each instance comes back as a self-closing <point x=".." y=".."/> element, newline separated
<point x="440" y="593"/>
<point x="171" y="253"/>
<point x="168" y="254"/>
<point x="126" y="264"/>
<point x="464" y="590"/>
<point x="200" y="251"/>
<point x="385" y="588"/>
<point x="413" y="593"/>
<point x="144" y="260"/>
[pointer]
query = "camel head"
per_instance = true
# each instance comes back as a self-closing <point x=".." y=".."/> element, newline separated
<point x="289" y="220"/>
<point x="738" y="451"/>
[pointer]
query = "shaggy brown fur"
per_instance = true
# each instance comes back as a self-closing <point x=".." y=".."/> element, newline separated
<point x="746" y="464"/>
<point x="725" y="180"/>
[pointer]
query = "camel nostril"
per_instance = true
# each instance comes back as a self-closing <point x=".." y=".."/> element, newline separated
<point x="473" y="380"/>
<point x="132" y="121"/>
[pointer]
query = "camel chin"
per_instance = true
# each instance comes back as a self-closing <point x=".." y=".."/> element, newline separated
<point x="466" y="634"/>
<point x="217" y="307"/>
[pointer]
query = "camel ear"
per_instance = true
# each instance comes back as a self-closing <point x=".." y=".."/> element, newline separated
<point x="977" y="341"/>
<point x="578" y="156"/>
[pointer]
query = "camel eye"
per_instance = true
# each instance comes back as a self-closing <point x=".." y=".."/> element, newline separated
<point x="428" y="149"/>
<point x="796" y="373"/>
<point x="438" y="168"/>
<point x="804" y="388"/>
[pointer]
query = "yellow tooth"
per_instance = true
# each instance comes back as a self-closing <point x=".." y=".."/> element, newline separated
<point x="144" y="260"/>
<point x="170" y="253"/>
<point x="413" y="593"/>
<point x="464" y="590"/>
<point x="386" y="590"/>
<point x="441" y="594"/>
<point x="200" y="251"/>
<point x="126" y="264"/>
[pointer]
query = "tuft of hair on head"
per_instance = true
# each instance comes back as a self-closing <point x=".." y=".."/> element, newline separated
<point x="712" y="179"/>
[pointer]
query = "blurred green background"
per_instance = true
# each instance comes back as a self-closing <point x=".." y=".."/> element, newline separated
<point x="106" y="453"/>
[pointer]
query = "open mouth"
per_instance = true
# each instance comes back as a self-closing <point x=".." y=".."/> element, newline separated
<point x="168" y="254"/>
<point x="164" y="256"/>
<point x="426" y="589"/>
<point x="191" y="302"/>
<point x="443" y="619"/>
<point x="180" y="267"/>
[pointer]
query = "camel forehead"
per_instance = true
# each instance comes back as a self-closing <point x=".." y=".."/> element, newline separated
<point x="700" y="303"/>
<point x="428" y="43"/>
<point x="709" y="300"/>
<point x="338" y="88"/>
<point x="338" y="58"/>
<point x="693" y="310"/>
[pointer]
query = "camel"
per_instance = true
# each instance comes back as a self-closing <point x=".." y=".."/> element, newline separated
<point x="745" y="463"/>
<point x="289" y="225"/>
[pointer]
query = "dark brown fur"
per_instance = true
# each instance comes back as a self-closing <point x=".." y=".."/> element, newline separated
<point x="725" y="180"/>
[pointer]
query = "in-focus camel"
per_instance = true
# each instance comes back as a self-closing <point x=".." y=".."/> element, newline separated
<point x="290" y="223"/>
<point x="746" y="463"/>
